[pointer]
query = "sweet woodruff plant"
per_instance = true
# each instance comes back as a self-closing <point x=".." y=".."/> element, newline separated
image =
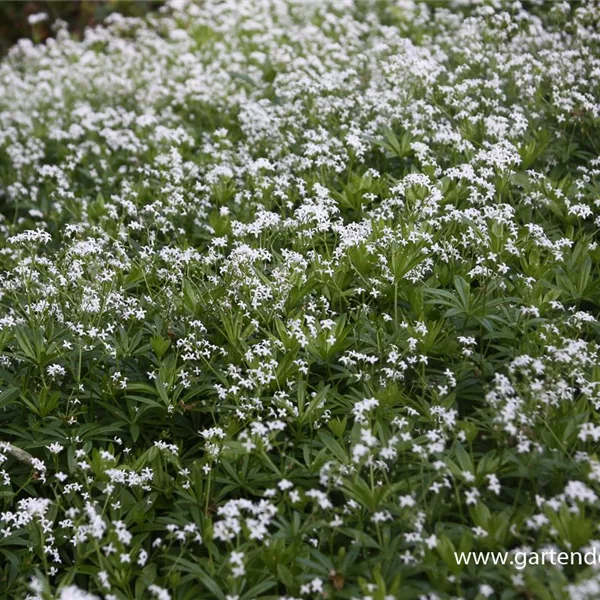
<point x="298" y="299"/>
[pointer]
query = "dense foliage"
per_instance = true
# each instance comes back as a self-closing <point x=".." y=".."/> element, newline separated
<point x="300" y="298"/>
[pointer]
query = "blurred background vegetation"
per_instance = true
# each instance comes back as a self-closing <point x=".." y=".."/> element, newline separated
<point x="79" y="14"/>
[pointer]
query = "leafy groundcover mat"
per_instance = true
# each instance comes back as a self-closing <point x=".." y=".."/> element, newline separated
<point x="298" y="300"/>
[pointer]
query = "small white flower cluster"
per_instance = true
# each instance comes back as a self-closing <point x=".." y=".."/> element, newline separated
<point x="236" y="515"/>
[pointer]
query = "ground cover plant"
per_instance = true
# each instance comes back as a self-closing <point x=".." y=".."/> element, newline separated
<point x="298" y="299"/>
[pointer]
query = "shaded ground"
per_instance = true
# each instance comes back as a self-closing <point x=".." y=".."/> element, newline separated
<point x="79" y="14"/>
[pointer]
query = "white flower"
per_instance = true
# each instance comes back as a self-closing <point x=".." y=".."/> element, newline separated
<point x="55" y="370"/>
<point x="72" y="592"/>
<point x="472" y="496"/>
<point x="236" y="559"/>
<point x="159" y="593"/>
<point x="55" y="448"/>
<point x="37" y="18"/>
